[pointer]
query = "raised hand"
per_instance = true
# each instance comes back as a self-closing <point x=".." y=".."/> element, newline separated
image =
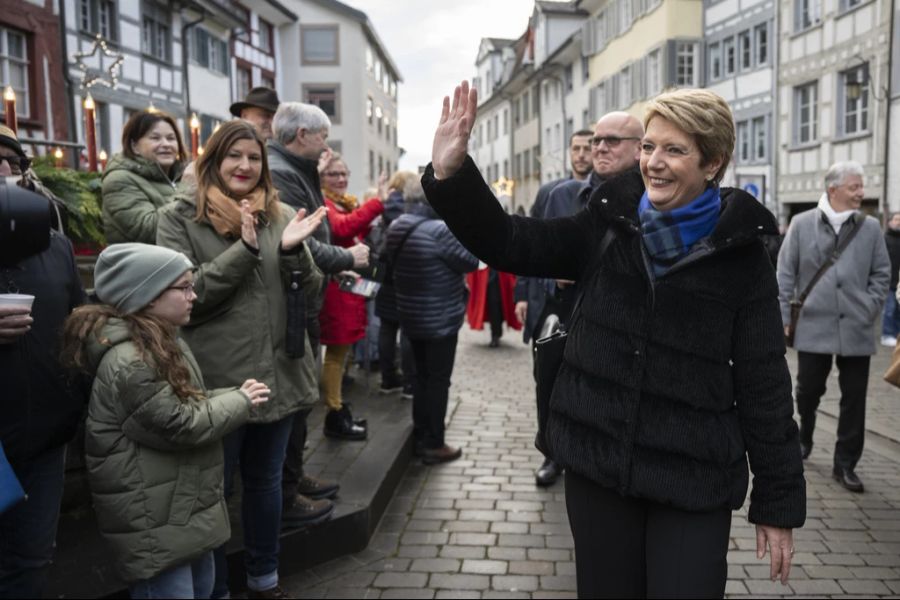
<point x="324" y="159"/>
<point x="451" y="140"/>
<point x="248" y="225"/>
<point x="301" y="227"/>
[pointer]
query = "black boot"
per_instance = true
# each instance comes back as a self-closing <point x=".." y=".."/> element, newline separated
<point x="339" y="424"/>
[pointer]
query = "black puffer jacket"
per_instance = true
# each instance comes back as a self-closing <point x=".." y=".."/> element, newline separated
<point x="386" y="300"/>
<point x="892" y="241"/>
<point x="428" y="275"/>
<point x="668" y="386"/>
<point x="41" y="407"/>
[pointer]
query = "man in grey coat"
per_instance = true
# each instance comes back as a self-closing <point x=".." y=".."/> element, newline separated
<point x="840" y="314"/>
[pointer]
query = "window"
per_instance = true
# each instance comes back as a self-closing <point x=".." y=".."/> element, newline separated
<point x="516" y="113"/>
<point x="379" y="118"/>
<point x="536" y="157"/>
<point x="745" y="47"/>
<point x="156" y="34"/>
<point x="517" y="166"/>
<point x="743" y="142"/>
<point x="370" y="60"/>
<point x="570" y="128"/>
<point x="526" y="111"/>
<point x="846" y="5"/>
<point x="505" y="121"/>
<point x="535" y="103"/>
<point x="760" y="139"/>
<point x="624" y="99"/>
<point x="98" y="16"/>
<point x="387" y="127"/>
<point x="806" y="113"/>
<point x="626" y="15"/>
<point x="268" y="81"/>
<point x="371" y="165"/>
<point x="207" y="126"/>
<point x="380" y="165"/>
<point x="585" y="69"/>
<point x="557" y="137"/>
<point x="265" y="37"/>
<point x="101" y="116"/>
<point x="393" y="90"/>
<point x="244" y="81"/>
<point x="853" y="102"/>
<point x="585" y="119"/>
<point x="546" y="92"/>
<point x="685" y="63"/>
<point x="327" y="97"/>
<point x="654" y="74"/>
<point x="761" y="37"/>
<point x="729" y="58"/>
<point x="320" y="45"/>
<point x="378" y="70"/>
<point x="370" y="109"/>
<point x="14" y="68"/>
<point x="806" y="14"/>
<point x="568" y="76"/>
<point x="209" y="51"/>
<point x="505" y="168"/>
<point x="526" y="163"/>
<point x="714" y="57"/>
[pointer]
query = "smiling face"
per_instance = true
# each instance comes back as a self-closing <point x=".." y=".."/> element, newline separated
<point x="336" y="176"/>
<point x="159" y="144"/>
<point x="848" y="194"/>
<point x="671" y="165"/>
<point x="176" y="301"/>
<point x="241" y="168"/>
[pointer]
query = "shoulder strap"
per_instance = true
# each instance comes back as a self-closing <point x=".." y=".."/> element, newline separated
<point x="405" y="237"/>
<point x="832" y="258"/>
<point x="608" y="238"/>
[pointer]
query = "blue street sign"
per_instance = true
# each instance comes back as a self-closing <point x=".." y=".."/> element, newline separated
<point x="752" y="189"/>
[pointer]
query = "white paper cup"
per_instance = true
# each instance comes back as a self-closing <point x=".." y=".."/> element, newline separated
<point x="23" y="300"/>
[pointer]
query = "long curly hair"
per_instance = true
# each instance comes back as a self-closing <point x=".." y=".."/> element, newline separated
<point x="156" y="341"/>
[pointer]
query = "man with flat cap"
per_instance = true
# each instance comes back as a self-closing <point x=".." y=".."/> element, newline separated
<point x="258" y="108"/>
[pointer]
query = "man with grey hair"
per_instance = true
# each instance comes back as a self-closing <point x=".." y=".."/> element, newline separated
<point x="839" y="316"/>
<point x="300" y="135"/>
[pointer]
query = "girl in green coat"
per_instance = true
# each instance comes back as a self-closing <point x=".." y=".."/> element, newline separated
<point x="153" y="432"/>
<point x="142" y="178"/>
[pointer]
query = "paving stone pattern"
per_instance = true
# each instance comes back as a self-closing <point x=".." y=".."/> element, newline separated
<point x="480" y="528"/>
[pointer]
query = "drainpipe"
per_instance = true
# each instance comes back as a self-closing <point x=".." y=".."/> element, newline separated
<point x="185" y="84"/>
<point x="70" y="112"/>
<point x="888" y="96"/>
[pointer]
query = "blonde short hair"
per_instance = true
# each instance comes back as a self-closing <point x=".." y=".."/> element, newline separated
<point x="703" y="115"/>
<point x="398" y="180"/>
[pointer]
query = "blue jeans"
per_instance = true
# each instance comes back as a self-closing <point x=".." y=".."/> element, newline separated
<point x="258" y="450"/>
<point x="28" y="530"/>
<point x="190" y="580"/>
<point x="890" y="322"/>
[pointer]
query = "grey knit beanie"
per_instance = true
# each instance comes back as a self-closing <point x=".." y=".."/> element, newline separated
<point x="131" y="276"/>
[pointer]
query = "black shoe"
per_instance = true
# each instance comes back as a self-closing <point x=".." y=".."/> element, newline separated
<point x="407" y="393"/>
<point x="389" y="385"/>
<point x="848" y="479"/>
<point x="548" y="473"/>
<point x="495" y="342"/>
<point x="339" y="424"/>
<point x="805" y="449"/>
<point x="317" y="489"/>
<point x="305" y="512"/>
<point x="360" y="422"/>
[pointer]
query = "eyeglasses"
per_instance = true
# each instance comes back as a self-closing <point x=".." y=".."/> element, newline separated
<point x="17" y="164"/>
<point x="187" y="289"/>
<point x="612" y="141"/>
<point x="345" y="174"/>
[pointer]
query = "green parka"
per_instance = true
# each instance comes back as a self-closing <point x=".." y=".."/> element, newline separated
<point x="134" y="189"/>
<point x="155" y="462"/>
<point x="239" y="320"/>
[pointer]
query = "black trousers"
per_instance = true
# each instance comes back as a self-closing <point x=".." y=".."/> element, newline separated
<point x="495" y="305"/>
<point x="387" y="352"/>
<point x="630" y="548"/>
<point x="853" y="379"/>
<point x="434" y="366"/>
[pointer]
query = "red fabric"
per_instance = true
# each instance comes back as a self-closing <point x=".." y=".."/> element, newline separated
<point x="477" y="309"/>
<point x="343" y="316"/>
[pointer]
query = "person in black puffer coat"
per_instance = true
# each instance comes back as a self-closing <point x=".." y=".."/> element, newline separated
<point x="431" y="298"/>
<point x="674" y="374"/>
<point x="890" y="323"/>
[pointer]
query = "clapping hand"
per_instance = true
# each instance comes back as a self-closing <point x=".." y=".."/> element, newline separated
<point x="248" y="225"/>
<point x="301" y="227"/>
<point x="451" y="140"/>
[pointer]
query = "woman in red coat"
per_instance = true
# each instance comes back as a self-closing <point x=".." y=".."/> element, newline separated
<point x="343" y="317"/>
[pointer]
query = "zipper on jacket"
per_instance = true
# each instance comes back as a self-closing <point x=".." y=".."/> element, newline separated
<point x="159" y="166"/>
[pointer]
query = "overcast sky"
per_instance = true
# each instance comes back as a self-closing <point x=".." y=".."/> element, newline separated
<point x="434" y="44"/>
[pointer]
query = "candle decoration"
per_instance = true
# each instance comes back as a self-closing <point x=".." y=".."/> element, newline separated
<point x="9" y="108"/>
<point x="90" y="132"/>
<point x="58" y="157"/>
<point x="103" y="158"/>
<point x="195" y="136"/>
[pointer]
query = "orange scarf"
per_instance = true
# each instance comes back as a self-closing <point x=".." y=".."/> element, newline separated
<point x="224" y="212"/>
<point x="346" y="201"/>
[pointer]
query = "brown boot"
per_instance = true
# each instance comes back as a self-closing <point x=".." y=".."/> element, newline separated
<point x="433" y="456"/>
<point x="275" y="592"/>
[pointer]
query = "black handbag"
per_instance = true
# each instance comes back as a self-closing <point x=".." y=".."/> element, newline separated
<point x="548" y="357"/>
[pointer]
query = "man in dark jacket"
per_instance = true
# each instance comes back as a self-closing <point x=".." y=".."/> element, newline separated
<point x="890" y="323"/>
<point x="615" y="148"/>
<point x="301" y="131"/>
<point x="41" y="407"/>
<point x="431" y="301"/>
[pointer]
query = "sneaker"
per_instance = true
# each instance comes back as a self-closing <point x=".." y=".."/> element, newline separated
<point x="275" y="592"/>
<point x="317" y="489"/>
<point x="407" y="393"/>
<point x="888" y="341"/>
<point x="433" y="456"/>
<point x="305" y="512"/>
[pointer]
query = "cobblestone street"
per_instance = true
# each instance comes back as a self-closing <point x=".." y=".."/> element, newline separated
<point x="479" y="528"/>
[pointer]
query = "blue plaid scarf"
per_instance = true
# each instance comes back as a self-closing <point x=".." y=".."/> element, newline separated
<point x="669" y="235"/>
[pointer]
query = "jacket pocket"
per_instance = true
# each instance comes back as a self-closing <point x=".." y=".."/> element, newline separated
<point x="185" y="494"/>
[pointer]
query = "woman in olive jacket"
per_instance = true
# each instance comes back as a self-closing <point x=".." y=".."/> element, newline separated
<point x="247" y="246"/>
<point x="140" y="180"/>
<point x="674" y="373"/>
<point x="153" y="432"/>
